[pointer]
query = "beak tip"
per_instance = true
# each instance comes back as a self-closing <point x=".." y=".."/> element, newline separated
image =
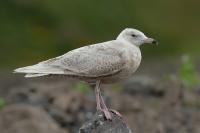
<point x="155" y="42"/>
<point x="151" y="41"/>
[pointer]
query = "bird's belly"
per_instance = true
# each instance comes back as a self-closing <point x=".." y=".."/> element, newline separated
<point x="125" y="73"/>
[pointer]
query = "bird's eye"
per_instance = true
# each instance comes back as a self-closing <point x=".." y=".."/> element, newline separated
<point x="133" y="35"/>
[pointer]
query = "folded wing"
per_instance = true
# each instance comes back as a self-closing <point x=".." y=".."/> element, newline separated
<point x="101" y="59"/>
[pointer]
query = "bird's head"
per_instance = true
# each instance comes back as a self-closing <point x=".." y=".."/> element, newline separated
<point x="135" y="37"/>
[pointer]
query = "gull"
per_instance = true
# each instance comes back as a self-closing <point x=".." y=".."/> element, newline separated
<point x="101" y="63"/>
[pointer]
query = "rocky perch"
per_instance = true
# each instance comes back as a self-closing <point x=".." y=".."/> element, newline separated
<point x="98" y="124"/>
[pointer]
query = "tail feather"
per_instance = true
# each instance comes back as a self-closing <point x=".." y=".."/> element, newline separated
<point x="39" y="69"/>
<point x="31" y="75"/>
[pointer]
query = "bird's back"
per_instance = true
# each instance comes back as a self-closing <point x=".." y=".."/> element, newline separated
<point x="93" y="61"/>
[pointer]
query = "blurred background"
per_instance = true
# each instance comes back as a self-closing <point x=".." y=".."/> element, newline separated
<point x="35" y="30"/>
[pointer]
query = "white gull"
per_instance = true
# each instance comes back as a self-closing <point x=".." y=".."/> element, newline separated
<point x="106" y="62"/>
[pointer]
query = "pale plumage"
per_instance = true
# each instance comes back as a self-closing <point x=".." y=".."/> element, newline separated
<point x="93" y="61"/>
<point x="105" y="62"/>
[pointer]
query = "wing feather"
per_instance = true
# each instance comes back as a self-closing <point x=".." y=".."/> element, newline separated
<point x="96" y="60"/>
<point x="93" y="60"/>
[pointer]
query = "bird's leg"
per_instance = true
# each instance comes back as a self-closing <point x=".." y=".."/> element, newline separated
<point x="100" y="103"/>
<point x="105" y="107"/>
<point x="116" y="112"/>
<point x="97" y="91"/>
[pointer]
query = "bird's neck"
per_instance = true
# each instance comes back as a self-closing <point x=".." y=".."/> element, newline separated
<point x="125" y="41"/>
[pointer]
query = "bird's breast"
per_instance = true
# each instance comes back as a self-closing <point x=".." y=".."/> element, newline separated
<point x="133" y="59"/>
<point x="132" y="62"/>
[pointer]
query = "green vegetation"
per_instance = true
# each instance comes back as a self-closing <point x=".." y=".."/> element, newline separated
<point x="187" y="73"/>
<point x="2" y="103"/>
<point x="82" y="87"/>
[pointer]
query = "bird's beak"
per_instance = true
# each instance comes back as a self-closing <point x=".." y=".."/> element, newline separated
<point x="150" y="41"/>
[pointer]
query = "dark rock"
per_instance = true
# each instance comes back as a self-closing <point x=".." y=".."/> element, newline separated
<point x="100" y="125"/>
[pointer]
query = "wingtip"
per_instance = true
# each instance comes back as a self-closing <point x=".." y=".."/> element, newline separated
<point x="15" y="71"/>
<point x="18" y="70"/>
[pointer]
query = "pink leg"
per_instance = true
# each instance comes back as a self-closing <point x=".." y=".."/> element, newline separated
<point x="97" y="91"/>
<point x="100" y="103"/>
<point x="107" y="111"/>
<point x="105" y="107"/>
<point x="116" y="112"/>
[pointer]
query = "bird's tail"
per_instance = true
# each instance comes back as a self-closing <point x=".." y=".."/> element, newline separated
<point x="31" y="75"/>
<point x="38" y="70"/>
